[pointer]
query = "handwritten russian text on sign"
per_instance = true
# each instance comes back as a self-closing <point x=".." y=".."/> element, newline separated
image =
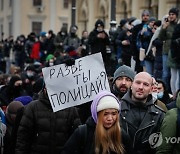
<point x="69" y="86"/>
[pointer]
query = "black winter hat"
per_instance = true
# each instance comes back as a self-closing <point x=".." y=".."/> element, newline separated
<point x="131" y="19"/>
<point x="30" y="67"/>
<point x="124" y="71"/>
<point x="123" y="22"/>
<point x="174" y="10"/>
<point x="99" y="22"/>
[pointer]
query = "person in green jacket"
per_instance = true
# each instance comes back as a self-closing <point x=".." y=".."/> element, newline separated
<point x="169" y="131"/>
<point x="165" y="35"/>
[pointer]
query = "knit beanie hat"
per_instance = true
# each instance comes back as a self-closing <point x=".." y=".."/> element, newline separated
<point x="145" y="12"/>
<point x="107" y="102"/>
<point x="124" y="71"/>
<point x="152" y="19"/>
<point x="104" y="100"/>
<point x="50" y="56"/>
<point x="24" y="99"/>
<point x="131" y="19"/>
<point x="123" y="22"/>
<point x="13" y="107"/>
<point x="174" y="10"/>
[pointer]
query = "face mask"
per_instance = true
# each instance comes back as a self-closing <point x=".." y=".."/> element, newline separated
<point x="73" y="34"/>
<point x="17" y="88"/>
<point x="30" y="74"/>
<point x="99" y="29"/>
<point x="154" y="95"/>
<point x="160" y="94"/>
<point x="51" y="63"/>
<point x="62" y="33"/>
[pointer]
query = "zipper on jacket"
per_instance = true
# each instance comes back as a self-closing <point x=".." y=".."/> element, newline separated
<point x="140" y="130"/>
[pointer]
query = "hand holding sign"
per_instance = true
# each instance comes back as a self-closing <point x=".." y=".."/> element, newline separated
<point x="69" y="86"/>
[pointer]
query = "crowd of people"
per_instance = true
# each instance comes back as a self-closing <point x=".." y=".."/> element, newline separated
<point x="144" y="98"/>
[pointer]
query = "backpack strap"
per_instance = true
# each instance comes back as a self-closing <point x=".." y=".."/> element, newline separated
<point x="178" y="123"/>
<point x="83" y="136"/>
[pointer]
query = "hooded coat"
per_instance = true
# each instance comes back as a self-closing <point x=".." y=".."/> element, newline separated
<point x="43" y="131"/>
<point x="82" y="140"/>
<point x="169" y="130"/>
<point x="99" y="44"/>
<point x="140" y="120"/>
<point x="9" y="92"/>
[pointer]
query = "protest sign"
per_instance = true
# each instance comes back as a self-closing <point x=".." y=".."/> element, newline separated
<point x="69" y="86"/>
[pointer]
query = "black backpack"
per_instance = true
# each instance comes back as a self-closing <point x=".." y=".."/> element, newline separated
<point x="83" y="135"/>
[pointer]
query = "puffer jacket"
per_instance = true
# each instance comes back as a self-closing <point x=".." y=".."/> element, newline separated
<point x="169" y="131"/>
<point x="42" y="131"/>
<point x="140" y="120"/>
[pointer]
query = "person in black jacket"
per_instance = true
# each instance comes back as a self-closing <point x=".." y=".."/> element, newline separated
<point x="12" y="90"/>
<point x="11" y="112"/>
<point x="175" y="45"/>
<point x="99" y="42"/>
<point x="139" y="116"/>
<point x="43" y="131"/>
<point x="102" y="132"/>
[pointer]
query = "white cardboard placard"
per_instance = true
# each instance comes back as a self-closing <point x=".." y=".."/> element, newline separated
<point x="69" y="86"/>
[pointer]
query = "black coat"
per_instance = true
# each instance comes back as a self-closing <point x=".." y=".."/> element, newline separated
<point x="79" y="144"/>
<point x="140" y="120"/>
<point x="99" y="44"/>
<point x="158" y="59"/>
<point x="43" y="131"/>
<point x="175" y="44"/>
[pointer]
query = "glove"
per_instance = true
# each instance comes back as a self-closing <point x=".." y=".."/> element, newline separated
<point x="69" y="61"/>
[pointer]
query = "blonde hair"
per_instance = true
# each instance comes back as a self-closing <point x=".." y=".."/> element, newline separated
<point x="107" y="140"/>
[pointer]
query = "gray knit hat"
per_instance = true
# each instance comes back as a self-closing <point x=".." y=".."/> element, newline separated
<point x="124" y="71"/>
<point x="145" y="12"/>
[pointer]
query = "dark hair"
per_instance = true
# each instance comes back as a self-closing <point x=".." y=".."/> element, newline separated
<point x="174" y="10"/>
<point x="157" y="23"/>
<point x="162" y="82"/>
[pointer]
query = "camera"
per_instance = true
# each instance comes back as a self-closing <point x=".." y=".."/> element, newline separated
<point x="166" y="19"/>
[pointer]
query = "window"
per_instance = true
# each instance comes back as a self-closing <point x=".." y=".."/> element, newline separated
<point x="65" y="25"/>
<point x="65" y="4"/>
<point x="2" y="4"/>
<point x="37" y="2"/>
<point x="1" y="30"/>
<point x="10" y="3"/>
<point x="10" y="28"/>
<point x="37" y="27"/>
<point x="124" y="6"/>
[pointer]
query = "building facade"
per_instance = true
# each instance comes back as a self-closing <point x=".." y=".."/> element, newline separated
<point x="24" y="16"/>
